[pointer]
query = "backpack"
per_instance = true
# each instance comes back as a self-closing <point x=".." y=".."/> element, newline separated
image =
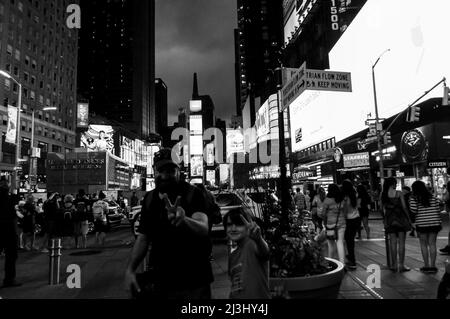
<point x="97" y="210"/>
<point x="68" y="213"/>
<point x="80" y="211"/>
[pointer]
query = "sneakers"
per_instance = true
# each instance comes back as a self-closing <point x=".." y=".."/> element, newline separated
<point x="429" y="270"/>
<point x="350" y="266"/>
<point x="445" y="250"/>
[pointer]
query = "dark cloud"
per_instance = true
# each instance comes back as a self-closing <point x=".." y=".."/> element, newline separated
<point x="197" y="36"/>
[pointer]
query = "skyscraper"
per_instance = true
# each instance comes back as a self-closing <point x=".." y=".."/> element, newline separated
<point x="207" y="105"/>
<point x="258" y="41"/>
<point x="160" y="106"/>
<point x="39" y="50"/>
<point x="117" y="61"/>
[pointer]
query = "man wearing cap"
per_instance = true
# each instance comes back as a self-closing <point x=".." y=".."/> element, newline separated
<point x="8" y="234"/>
<point x="173" y="220"/>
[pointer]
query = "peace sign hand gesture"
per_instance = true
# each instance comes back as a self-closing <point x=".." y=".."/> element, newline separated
<point x="175" y="213"/>
<point x="254" y="229"/>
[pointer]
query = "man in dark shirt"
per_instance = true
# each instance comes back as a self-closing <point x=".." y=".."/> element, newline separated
<point x="174" y="222"/>
<point x="8" y="235"/>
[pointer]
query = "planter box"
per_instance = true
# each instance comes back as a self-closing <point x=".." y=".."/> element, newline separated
<point x="325" y="286"/>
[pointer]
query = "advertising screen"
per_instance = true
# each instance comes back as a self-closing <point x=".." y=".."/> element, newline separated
<point x="224" y="173"/>
<point x="195" y="106"/>
<point x="414" y="64"/>
<point x="210" y="160"/>
<point x="196" y="124"/>
<point x="235" y="142"/>
<point x="197" y="166"/>
<point x="211" y="177"/>
<point x="262" y="120"/>
<point x="98" y="138"/>
<point x="82" y="115"/>
<point x="196" y="142"/>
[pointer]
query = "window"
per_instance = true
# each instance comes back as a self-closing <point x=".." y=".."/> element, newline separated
<point x="17" y="55"/>
<point x="7" y="84"/>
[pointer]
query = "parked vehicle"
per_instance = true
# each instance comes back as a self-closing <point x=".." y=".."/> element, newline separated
<point x="134" y="216"/>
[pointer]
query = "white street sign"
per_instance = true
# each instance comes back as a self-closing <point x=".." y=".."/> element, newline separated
<point x="328" y="81"/>
<point x="308" y="79"/>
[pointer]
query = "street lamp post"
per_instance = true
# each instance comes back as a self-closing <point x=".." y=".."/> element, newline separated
<point x="284" y="192"/>
<point x="19" y="125"/>
<point x="380" y="152"/>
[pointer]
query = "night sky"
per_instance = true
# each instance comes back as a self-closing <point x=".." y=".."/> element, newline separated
<point x="197" y="36"/>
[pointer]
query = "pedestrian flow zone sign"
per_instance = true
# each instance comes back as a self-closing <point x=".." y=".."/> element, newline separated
<point x="309" y="79"/>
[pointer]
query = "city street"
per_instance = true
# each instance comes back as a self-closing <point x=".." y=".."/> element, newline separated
<point x="102" y="270"/>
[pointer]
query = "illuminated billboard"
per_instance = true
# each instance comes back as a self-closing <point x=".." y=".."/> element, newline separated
<point x="235" y="142"/>
<point x="416" y="61"/>
<point x="98" y="138"/>
<point x="262" y="120"/>
<point x="211" y="177"/>
<point x="196" y="142"/>
<point x="196" y="124"/>
<point x="197" y="166"/>
<point x="82" y="115"/>
<point x="210" y="160"/>
<point x="195" y="106"/>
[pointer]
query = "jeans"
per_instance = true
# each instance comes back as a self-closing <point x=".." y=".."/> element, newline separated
<point x="352" y="228"/>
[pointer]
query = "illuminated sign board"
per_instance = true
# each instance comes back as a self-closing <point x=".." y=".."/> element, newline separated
<point x="210" y="160"/>
<point x="98" y="138"/>
<point x="82" y="115"/>
<point x="235" y="142"/>
<point x="196" y="124"/>
<point x="262" y="120"/>
<point x="196" y="142"/>
<point x="356" y="160"/>
<point x="211" y="177"/>
<point x="195" y="106"/>
<point x="415" y="58"/>
<point x="224" y="173"/>
<point x="196" y="166"/>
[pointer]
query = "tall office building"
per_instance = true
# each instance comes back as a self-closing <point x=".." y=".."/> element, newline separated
<point x="207" y="105"/>
<point x="160" y="106"/>
<point x="258" y="41"/>
<point x="117" y="61"/>
<point x="39" y="50"/>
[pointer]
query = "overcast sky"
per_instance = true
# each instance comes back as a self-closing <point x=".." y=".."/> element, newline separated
<point x="197" y="36"/>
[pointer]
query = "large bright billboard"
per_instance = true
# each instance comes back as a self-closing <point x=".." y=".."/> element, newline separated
<point x="235" y="142"/>
<point x="82" y="115"/>
<point x="98" y="138"/>
<point x="417" y="60"/>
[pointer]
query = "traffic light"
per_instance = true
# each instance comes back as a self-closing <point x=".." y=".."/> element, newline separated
<point x="387" y="138"/>
<point x="445" y="99"/>
<point x="413" y="114"/>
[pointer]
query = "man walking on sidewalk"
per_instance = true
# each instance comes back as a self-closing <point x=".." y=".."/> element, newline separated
<point x="8" y="235"/>
<point x="173" y="220"/>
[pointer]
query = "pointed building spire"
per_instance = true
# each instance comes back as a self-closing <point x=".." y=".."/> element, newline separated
<point x="195" y="94"/>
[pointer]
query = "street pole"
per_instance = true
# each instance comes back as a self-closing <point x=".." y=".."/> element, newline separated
<point x="380" y="152"/>
<point x="18" y="147"/>
<point x="285" y="197"/>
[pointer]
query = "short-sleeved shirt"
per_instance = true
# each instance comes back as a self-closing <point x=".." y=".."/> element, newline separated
<point x="334" y="212"/>
<point x="249" y="273"/>
<point x="180" y="258"/>
<point x="426" y="216"/>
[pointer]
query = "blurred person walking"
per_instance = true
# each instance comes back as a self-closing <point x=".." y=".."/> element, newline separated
<point x="8" y="234"/>
<point x="317" y="208"/>
<point x="425" y="209"/>
<point x="334" y="221"/>
<point x="82" y="206"/>
<point x="396" y="223"/>
<point x="353" y="221"/>
<point x="364" y="209"/>
<point x="29" y="222"/>
<point x="68" y="221"/>
<point x="446" y="199"/>
<point x="101" y="221"/>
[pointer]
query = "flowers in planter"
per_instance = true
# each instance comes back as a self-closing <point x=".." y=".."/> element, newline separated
<point x="294" y="252"/>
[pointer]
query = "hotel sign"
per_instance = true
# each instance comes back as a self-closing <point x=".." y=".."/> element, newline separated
<point x="356" y="160"/>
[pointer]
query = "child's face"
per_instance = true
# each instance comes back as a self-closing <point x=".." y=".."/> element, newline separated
<point x="236" y="232"/>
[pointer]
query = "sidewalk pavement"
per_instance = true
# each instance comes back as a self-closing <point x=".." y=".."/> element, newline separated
<point x="103" y="269"/>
